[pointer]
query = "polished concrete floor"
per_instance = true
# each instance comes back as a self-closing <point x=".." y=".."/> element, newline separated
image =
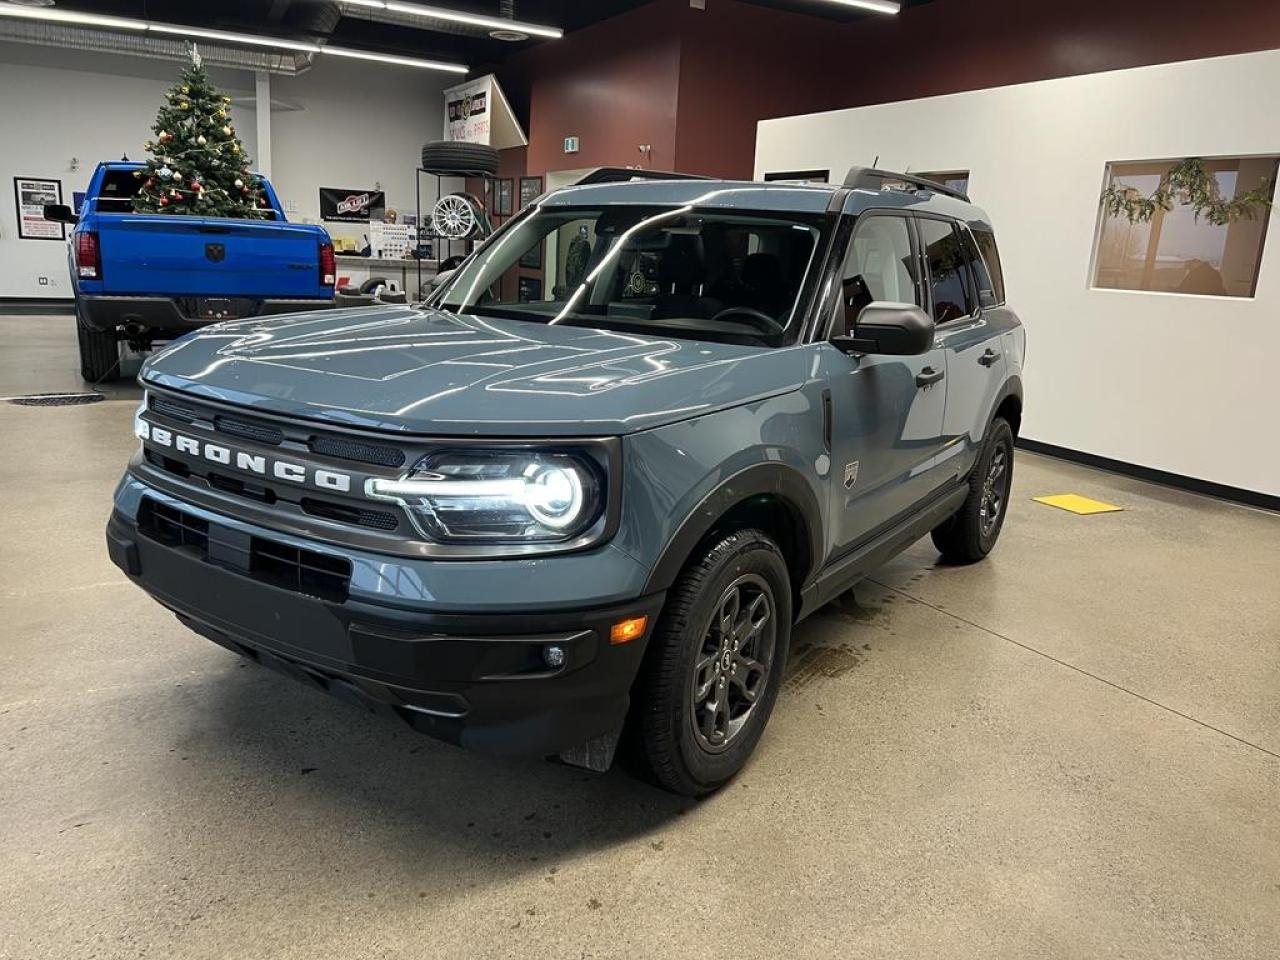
<point x="1071" y="750"/>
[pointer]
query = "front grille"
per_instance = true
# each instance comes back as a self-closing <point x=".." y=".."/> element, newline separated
<point x="171" y="408"/>
<point x="267" y="561"/>
<point x="347" y="449"/>
<point x="173" y="527"/>
<point x="377" y="519"/>
<point x="248" y="430"/>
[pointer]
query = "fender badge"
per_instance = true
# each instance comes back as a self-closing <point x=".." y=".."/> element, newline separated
<point x="850" y="474"/>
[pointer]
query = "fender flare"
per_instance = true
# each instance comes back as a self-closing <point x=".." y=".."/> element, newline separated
<point x="773" y="479"/>
<point x="1012" y="388"/>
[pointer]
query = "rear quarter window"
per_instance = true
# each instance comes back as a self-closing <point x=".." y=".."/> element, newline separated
<point x="986" y="241"/>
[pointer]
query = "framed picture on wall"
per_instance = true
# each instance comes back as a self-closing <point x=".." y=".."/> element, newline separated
<point x="529" y="290"/>
<point x="530" y="188"/>
<point x="532" y="259"/>
<point x="506" y="192"/>
<point x="32" y="194"/>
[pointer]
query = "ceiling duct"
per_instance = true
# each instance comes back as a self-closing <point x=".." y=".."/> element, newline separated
<point x="153" y="47"/>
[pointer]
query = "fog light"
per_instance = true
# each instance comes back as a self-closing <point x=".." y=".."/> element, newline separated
<point x="627" y="630"/>
<point x="553" y="655"/>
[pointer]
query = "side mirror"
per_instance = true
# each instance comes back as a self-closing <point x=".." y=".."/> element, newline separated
<point x="899" y="329"/>
<point x="60" y="213"/>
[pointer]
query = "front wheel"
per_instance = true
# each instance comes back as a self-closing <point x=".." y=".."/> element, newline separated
<point x="971" y="532"/>
<point x="715" y="664"/>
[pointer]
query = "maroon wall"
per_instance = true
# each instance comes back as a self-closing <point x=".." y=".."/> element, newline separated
<point x="694" y="83"/>
<point x="613" y="85"/>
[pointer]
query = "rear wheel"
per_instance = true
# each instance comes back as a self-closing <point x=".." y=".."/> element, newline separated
<point x="970" y="534"/>
<point x="714" y="665"/>
<point x="99" y="353"/>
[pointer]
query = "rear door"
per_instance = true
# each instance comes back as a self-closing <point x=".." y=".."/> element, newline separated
<point x="161" y="255"/>
<point x="886" y="412"/>
<point x="974" y="360"/>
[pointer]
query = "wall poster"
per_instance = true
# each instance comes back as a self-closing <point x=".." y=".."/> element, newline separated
<point x="352" y="206"/>
<point x="32" y="193"/>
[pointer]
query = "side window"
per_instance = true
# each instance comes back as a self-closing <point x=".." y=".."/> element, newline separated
<point x="948" y="275"/>
<point x="987" y="244"/>
<point x="978" y="268"/>
<point x="881" y="264"/>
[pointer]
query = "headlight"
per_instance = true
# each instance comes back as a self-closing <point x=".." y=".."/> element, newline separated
<point x="498" y="496"/>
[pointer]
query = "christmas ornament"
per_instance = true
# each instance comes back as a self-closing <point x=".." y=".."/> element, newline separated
<point x="186" y="89"/>
<point x="185" y="105"/>
<point x="195" y="185"/>
<point x="165" y="172"/>
<point x="201" y="140"/>
<point x="177" y="175"/>
<point x="226" y="131"/>
<point x="165" y="136"/>
<point x="164" y="201"/>
<point x="239" y="182"/>
<point x="137" y="174"/>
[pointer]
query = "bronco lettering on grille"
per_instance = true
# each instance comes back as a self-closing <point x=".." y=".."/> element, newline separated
<point x="248" y="462"/>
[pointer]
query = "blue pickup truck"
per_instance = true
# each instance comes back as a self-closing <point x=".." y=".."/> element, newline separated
<point x="140" y="278"/>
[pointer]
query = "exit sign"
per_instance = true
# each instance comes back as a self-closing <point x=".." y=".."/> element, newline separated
<point x="570" y="144"/>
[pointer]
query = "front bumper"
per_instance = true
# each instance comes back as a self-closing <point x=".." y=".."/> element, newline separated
<point x="478" y="680"/>
<point x="166" y="313"/>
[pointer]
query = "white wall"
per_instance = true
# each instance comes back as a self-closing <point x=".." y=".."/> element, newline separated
<point x="1177" y="383"/>
<point x="357" y="125"/>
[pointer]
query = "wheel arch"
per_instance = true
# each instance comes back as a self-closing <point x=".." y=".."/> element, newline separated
<point x="771" y="497"/>
<point x="1009" y="404"/>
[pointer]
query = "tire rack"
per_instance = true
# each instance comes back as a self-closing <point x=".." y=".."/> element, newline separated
<point x="425" y="233"/>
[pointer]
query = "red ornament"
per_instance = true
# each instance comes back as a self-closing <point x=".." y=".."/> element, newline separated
<point x="164" y="201"/>
<point x="195" y="185"/>
<point x="150" y="183"/>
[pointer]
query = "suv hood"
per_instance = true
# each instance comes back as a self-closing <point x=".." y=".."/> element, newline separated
<point x="427" y="371"/>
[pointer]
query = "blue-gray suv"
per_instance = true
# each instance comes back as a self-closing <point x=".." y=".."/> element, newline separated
<point x="582" y="495"/>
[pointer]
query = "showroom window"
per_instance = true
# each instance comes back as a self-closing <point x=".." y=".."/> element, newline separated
<point x="1186" y="248"/>
<point x="947" y="274"/>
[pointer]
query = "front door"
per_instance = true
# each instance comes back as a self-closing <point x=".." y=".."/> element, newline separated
<point x="886" y="411"/>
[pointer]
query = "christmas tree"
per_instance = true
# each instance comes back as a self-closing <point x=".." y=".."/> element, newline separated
<point x="198" y="165"/>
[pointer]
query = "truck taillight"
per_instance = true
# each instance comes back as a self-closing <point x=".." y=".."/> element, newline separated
<point x="88" y="256"/>
<point x="328" y="267"/>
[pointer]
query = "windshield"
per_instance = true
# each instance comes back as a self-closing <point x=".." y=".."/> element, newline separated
<point x="679" y="271"/>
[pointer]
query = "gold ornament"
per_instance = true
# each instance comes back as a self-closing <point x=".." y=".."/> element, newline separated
<point x="185" y="105"/>
<point x="186" y="89"/>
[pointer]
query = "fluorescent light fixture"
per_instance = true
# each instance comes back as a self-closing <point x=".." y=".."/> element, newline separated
<point x="71" y="17"/>
<point x="228" y="37"/>
<point x="470" y="19"/>
<point x="876" y="6"/>
<point x="391" y="58"/>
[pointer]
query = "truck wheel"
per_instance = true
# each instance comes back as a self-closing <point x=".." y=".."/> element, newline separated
<point x="99" y="353"/>
<point x="714" y="665"/>
<point x="455" y="158"/>
<point x="970" y="533"/>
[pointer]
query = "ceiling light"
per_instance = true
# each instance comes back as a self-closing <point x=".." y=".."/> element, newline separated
<point x="401" y="61"/>
<point x="876" y="6"/>
<point x="228" y="37"/>
<point x="457" y="16"/>
<point x="70" y="16"/>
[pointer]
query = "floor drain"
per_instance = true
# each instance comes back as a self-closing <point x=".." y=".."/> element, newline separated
<point x="56" y="399"/>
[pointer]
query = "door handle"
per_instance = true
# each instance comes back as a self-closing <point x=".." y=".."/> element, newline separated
<point x="989" y="357"/>
<point x="929" y="375"/>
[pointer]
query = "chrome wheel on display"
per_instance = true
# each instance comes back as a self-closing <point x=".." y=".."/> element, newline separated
<point x="454" y="217"/>
<point x="732" y="668"/>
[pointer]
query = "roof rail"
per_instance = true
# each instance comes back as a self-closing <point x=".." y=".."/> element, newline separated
<point x="868" y="178"/>
<point x="623" y="174"/>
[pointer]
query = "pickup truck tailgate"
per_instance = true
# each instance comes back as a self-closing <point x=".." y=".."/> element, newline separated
<point x="161" y="254"/>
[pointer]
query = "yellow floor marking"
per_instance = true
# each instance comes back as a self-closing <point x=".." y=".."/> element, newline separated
<point x="1077" y="504"/>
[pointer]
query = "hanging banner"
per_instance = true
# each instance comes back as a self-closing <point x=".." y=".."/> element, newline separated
<point x="32" y="194"/>
<point x="352" y="206"/>
<point x="478" y="112"/>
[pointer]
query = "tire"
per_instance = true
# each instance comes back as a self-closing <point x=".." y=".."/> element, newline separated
<point x="968" y="535"/>
<point x="99" y="353"/>
<point x="453" y="157"/>
<point x="669" y="749"/>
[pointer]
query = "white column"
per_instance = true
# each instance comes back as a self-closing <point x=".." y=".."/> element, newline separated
<point x="262" y="104"/>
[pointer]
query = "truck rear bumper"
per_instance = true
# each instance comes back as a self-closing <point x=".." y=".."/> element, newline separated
<point x="166" y="313"/>
<point x="481" y="681"/>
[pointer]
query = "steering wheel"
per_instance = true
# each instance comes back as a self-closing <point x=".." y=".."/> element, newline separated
<point x="756" y="318"/>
